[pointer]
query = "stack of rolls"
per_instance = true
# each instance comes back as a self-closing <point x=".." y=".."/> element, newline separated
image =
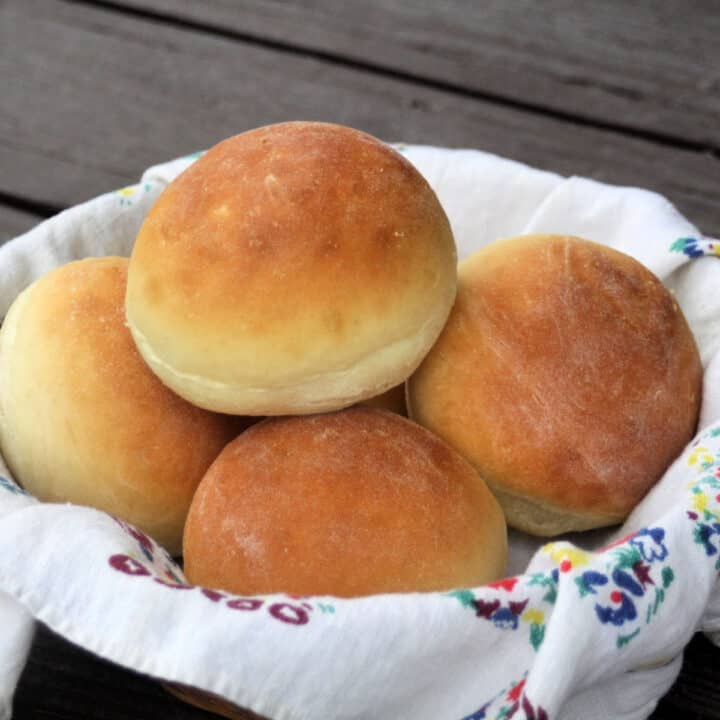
<point x="306" y="272"/>
<point x="293" y="271"/>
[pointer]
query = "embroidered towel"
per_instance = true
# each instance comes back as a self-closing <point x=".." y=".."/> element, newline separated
<point x="589" y="629"/>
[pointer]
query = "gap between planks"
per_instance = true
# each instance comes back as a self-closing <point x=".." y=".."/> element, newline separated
<point x="191" y="20"/>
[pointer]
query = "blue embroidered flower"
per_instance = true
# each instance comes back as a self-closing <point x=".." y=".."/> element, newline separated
<point x="589" y="580"/>
<point x="480" y="714"/>
<point x="695" y="247"/>
<point x="617" y="615"/>
<point x="649" y="541"/>
<point x="627" y="582"/>
<point x="503" y="617"/>
<point x="705" y="533"/>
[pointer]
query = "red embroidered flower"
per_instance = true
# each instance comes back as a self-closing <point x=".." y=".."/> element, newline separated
<point x="506" y="584"/>
<point x="516" y="691"/>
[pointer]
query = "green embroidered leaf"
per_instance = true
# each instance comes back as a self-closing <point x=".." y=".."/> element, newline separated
<point x="545" y="581"/>
<point x="678" y="245"/>
<point x="465" y="597"/>
<point x="667" y="576"/>
<point x="537" y="635"/>
<point x="627" y="556"/>
<point x="538" y="579"/>
<point x="582" y="586"/>
<point x="625" y="639"/>
<point x="714" y="432"/>
<point x="659" y="597"/>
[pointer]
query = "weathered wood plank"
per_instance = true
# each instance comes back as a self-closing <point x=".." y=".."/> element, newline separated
<point x="650" y="66"/>
<point x="91" y="97"/>
<point x="15" y="222"/>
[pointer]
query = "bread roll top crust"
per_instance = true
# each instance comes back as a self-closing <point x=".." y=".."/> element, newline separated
<point x="84" y="419"/>
<point x="566" y="374"/>
<point x="290" y="251"/>
<point x="348" y="503"/>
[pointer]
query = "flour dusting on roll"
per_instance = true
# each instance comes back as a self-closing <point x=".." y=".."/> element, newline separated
<point x="350" y="503"/>
<point x="295" y="268"/>
<point x="567" y="375"/>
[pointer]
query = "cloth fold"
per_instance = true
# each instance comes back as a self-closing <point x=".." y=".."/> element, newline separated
<point x="573" y="634"/>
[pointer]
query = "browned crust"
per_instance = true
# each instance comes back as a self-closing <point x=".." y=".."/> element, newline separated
<point x="85" y="420"/>
<point x="287" y="251"/>
<point x="351" y="503"/>
<point x="566" y="374"/>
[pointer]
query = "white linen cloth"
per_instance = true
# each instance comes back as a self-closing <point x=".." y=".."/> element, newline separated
<point x="579" y="634"/>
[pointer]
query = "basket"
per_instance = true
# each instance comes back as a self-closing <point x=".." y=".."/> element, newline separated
<point x="589" y="626"/>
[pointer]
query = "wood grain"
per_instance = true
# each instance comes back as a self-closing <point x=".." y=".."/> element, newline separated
<point x="92" y="97"/>
<point x="647" y="66"/>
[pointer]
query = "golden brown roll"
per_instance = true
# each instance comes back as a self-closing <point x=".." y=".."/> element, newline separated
<point x="350" y="503"/>
<point x="567" y="375"/>
<point x="295" y="268"/>
<point x="82" y="417"/>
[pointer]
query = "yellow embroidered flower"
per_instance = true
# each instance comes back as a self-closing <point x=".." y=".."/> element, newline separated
<point x="566" y="556"/>
<point x="700" y="502"/>
<point x="127" y="191"/>
<point x="700" y="456"/>
<point x="533" y="616"/>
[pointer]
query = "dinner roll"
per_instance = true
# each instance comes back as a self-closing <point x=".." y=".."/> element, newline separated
<point x="567" y="375"/>
<point x="82" y="417"/>
<point x="295" y="268"/>
<point x="350" y="503"/>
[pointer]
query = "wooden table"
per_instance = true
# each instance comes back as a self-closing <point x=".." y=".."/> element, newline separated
<point x="91" y="93"/>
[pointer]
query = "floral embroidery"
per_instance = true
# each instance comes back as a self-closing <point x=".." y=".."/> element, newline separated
<point x="511" y="700"/>
<point x="128" y="192"/>
<point x="705" y="490"/>
<point x="566" y="556"/>
<point x="634" y="573"/>
<point x="696" y="247"/>
<point x="295" y="610"/>
<point x="507" y="613"/>
<point x="150" y="551"/>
